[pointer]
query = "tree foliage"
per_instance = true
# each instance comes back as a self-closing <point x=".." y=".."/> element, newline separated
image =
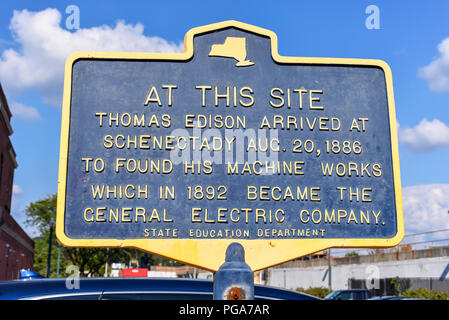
<point x="40" y="213"/>
<point x="41" y="257"/>
<point x="351" y="254"/>
<point x="90" y="261"/>
<point x="319" y="292"/>
<point x="425" y="294"/>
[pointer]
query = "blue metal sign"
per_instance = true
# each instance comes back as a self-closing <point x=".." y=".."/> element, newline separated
<point x="228" y="141"/>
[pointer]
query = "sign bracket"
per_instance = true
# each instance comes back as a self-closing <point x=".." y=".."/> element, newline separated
<point x="234" y="280"/>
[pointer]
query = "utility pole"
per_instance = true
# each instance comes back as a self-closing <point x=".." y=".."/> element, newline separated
<point x="329" y="268"/>
<point x="59" y="260"/>
<point x="50" y="242"/>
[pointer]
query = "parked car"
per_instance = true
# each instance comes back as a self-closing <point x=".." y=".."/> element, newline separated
<point x="394" y="298"/>
<point x="33" y="288"/>
<point x="350" y="294"/>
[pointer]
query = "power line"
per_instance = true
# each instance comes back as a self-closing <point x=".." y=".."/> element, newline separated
<point x="420" y="242"/>
<point x="346" y="250"/>
<point x="427" y="232"/>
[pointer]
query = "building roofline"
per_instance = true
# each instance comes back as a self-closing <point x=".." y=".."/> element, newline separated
<point x="5" y="111"/>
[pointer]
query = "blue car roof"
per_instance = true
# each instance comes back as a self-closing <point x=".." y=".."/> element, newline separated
<point x="18" y="289"/>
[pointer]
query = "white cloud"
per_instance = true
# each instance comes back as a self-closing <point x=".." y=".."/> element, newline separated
<point x="17" y="210"/>
<point x="426" y="208"/>
<point x="437" y="72"/>
<point x="427" y="136"/>
<point x="17" y="190"/>
<point x="23" y="111"/>
<point x="44" y="45"/>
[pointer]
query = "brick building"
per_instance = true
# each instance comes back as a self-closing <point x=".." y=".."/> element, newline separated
<point x="16" y="247"/>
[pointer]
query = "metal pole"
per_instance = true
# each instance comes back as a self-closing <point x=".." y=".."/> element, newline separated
<point x="234" y="280"/>
<point x="329" y="268"/>
<point x="59" y="260"/>
<point x="285" y="279"/>
<point x="50" y="242"/>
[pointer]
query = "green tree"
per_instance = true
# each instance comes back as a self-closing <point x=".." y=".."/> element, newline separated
<point x="426" y="294"/>
<point x="90" y="261"/>
<point x="39" y="214"/>
<point x="351" y="254"/>
<point x="41" y="256"/>
<point x="315" y="291"/>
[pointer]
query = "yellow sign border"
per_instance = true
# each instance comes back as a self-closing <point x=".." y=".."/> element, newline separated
<point x="209" y="253"/>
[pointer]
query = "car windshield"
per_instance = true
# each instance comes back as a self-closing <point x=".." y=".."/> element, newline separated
<point x="332" y="295"/>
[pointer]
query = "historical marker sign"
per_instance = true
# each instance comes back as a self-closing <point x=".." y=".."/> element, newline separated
<point x="182" y="154"/>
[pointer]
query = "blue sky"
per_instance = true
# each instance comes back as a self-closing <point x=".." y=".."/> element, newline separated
<point x="411" y="39"/>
